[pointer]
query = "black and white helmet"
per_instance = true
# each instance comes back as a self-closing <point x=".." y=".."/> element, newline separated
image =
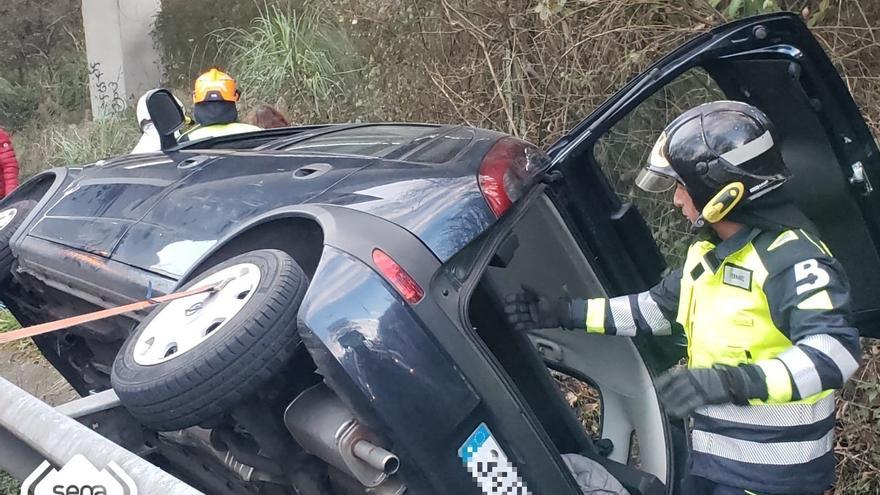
<point x="724" y="153"/>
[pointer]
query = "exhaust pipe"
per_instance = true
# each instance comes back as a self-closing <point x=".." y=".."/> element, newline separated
<point x="324" y="427"/>
<point x="376" y="456"/>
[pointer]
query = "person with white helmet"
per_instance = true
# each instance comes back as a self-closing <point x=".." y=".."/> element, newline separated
<point x="149" y="141"/>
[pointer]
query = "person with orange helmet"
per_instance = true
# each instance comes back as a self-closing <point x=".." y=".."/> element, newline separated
<point x="214" y="107"/>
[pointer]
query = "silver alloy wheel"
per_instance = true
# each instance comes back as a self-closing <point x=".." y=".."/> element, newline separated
<point x="7" y="216"/>
<point x="186" y="323"/>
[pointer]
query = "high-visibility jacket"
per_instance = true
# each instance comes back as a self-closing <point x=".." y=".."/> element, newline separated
<point x="214" y="130"/>
<point x="776" y="300"/>
<point x="8" y="165"/>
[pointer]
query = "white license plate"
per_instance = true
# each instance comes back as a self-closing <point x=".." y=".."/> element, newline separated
<point x="489" y="466"/>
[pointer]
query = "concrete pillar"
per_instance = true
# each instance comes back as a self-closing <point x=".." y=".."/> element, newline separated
<point x="122" y="57"/>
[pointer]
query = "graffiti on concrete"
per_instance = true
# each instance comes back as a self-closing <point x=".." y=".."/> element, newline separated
<point x="105" y="92"/>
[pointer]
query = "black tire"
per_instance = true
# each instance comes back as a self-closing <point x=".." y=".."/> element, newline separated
<point x="220" y="372"/>
<point x="22" y="208"/>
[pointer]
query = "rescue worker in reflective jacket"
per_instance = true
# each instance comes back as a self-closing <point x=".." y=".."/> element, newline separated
<point x="762" y="302"/>
<point x="214" y="107"/>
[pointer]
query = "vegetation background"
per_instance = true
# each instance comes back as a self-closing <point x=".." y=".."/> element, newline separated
<point x="532" y="68"/>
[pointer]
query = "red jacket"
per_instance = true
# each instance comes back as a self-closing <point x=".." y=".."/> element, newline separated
<point x="8" y="165"/>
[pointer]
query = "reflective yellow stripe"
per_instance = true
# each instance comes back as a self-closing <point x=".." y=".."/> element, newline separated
<point x="596" y="315"/>
<point x="215" y="130"/>
<point x="819" y="245"/>
<point x="778" y="380"/>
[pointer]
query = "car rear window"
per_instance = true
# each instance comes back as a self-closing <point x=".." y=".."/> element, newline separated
<point x="375" y="140"/>
<point x="442" y="149"/>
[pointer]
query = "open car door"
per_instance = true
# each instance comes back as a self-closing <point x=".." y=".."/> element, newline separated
<point x="775" y="64"/>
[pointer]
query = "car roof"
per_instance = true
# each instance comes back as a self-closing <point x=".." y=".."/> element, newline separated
<point x="329" y="138"/>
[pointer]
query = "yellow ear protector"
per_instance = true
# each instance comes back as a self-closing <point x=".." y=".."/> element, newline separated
<point x="721" y="204"/>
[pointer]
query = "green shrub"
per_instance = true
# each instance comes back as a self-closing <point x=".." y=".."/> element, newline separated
<point x="298" y="56"/>
<point x="18" y="105"/>
<point x="55" y="89"/>
<point x="42" y="145"/>
<point x="8" y="484"/>
<point x="182" y="30"/>
<point x="65" y="82"/>
<point x="77" y="145"/>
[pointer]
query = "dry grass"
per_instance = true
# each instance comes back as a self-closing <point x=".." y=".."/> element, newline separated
<point x="294" y="55"/>
<point x="584" y="399"/>
<point x="9" y="485"/>
<point x="21" y="350"/>
<point x="40" y="146"/>
<point x="502" y="66"/>
<point x="533" y="68"/>
<point x="858" y="427"/>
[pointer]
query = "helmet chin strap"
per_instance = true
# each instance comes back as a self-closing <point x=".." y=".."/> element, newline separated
<point x="720" y="205"/>
<point x="698" y="225"/>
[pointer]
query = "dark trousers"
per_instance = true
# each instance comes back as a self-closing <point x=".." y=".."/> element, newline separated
<point x="695" y="485"/>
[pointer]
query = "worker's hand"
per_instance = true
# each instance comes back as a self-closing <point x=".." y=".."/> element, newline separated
<point x="683" y="390"/>
<point x="527" y="310"/>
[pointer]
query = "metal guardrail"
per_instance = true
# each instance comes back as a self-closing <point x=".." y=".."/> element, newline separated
<point x="31" y="430"/>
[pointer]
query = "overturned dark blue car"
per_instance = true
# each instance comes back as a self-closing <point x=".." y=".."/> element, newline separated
<point x="356" y="341"/>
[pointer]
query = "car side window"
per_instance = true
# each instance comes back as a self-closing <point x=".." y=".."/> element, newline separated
<point x="623" y="150"/>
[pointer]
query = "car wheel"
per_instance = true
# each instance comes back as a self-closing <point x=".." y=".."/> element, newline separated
<point x="10" y="218"/>
<point x="191" y="360"/>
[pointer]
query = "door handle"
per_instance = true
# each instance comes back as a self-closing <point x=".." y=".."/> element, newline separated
<point x="311" y="170"/>
<point x="548" y="350"/>
<point x="860" y="178"/>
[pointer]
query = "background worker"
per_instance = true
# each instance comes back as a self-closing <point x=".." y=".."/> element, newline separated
<point x="762" y="302"/>
<point x="214" y="107"/>
<point x="9" y="169"/>
<point x="149" y="141"/>
<point x="268" y="117"/>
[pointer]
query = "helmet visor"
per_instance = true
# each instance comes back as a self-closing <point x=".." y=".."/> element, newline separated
<point x="653" y="182"/>
<point x="658" y="176"/>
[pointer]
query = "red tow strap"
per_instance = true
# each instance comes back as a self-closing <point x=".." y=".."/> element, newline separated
<point x="73" y="321"/>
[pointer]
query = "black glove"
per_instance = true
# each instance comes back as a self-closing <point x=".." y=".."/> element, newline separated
<point x="683" y="390"/>
<point x="529" y="311"/>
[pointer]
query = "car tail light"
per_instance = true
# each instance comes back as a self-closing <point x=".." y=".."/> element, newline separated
<point x="394" y="273"/>
<point x="507" y="170"/>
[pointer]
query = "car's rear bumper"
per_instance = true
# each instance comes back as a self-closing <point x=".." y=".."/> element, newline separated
<point x="413" y="372"/>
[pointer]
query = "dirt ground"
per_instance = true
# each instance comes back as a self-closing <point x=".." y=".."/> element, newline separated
<point x="22" y="364"/>
<point x="24" y="367"/>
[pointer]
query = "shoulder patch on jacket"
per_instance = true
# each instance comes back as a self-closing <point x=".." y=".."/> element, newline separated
<point x="781" y="250"/>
